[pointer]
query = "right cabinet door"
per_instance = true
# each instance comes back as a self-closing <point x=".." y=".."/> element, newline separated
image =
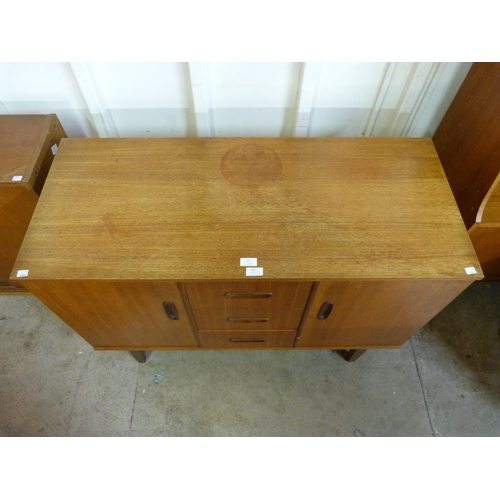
<point x="367" y="314"/>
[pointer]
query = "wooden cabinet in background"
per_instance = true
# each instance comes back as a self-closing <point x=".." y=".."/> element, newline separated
<point x="136" y="243"/>
<point x="468" y="144"/>
<point x="28" y="144"/>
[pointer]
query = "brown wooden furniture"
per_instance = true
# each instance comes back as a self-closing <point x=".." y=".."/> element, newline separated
<point x="136" y="243"/>
<point x="27" y="147"/>
<point x="468" y="144"/>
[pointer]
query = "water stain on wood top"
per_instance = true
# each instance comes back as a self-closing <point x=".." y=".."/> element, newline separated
<point x="251" y="165"/>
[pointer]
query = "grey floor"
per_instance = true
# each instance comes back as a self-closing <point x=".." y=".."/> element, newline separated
<point x="444" y="382"/>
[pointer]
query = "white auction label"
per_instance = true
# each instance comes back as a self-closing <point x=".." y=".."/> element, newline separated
<point x="54" y="149"/>
<point x="248" y="261"/>
<point x="22" y="273"/>
<point x="17" y="178"/>
<point x="254" y="271"/>
<point x="470" y="270"/>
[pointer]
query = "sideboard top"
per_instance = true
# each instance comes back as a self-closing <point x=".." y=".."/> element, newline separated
<point x="189" y="209"/>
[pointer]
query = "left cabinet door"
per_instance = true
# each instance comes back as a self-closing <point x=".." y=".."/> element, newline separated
<point x="119" y="314"/>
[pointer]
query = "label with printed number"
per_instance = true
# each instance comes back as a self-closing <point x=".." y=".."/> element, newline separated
<point x="248" y="261"/>
<point x="255" y="271"/>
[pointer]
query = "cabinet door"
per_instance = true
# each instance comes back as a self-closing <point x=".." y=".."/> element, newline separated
<point x="119" y="315"/>
<point x="375" y="313"/>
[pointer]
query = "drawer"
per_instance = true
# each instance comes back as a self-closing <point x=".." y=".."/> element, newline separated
<point x="247" y="339"/>
<point x="248" y="305"/>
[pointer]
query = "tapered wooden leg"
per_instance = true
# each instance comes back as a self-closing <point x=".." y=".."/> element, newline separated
<point x="140" y="356"/>
<point x="352" y="354"/>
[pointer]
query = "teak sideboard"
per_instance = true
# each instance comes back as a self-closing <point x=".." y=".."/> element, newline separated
<point x="255" y="243"/>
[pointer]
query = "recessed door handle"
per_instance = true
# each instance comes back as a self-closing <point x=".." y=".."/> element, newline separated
<point x="247" y="340"/>
<point x="325" y="310"/>
<point x="247" y="320"/>
<point x="248" y="295"/>
<point x="171" y="310"/>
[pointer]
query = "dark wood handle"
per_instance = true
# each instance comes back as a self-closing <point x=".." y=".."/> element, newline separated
<point x="248" y="295"/>
<point x="247" y="340"/>
<point x="325" y="310"/>
<point x="247" y="320"/>
<point x="171" y="310"/>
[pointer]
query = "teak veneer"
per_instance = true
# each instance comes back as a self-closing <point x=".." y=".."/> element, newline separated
<point x="27" y="148"/>
<point x="136" y="243"/>
<point x="468" y="143"/>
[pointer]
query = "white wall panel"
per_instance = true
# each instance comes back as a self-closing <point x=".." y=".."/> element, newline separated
<point x="254" y="85"/>
<point x="306" y="92"/>
<point x="143" y="99"/>
<point x="201" y="116"/>
<point x="41" y="88"/>
<point x="256" y="122"/>
<point x="142" y="85"/>
<point x="389" y="97"/>
<point x="438" y="99"/>
<point x="235" y="99"/>
<point x="348" y="85"/>
<point x="338" y="122"/>
<point x="420" y="77"/>
<point x="358" y="98"/>
<point x="253" y="99"/>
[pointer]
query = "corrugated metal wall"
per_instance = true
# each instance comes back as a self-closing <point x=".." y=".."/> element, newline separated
<point x="234" y="99"/>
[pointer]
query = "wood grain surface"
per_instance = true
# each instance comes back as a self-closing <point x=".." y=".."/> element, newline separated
<point x="485" y="237"/>
<point x="282" y="310"/>
<point x="177" y="209"/>
<point x="375" y="313"/>
<point x="489" y="211"/>
<point x="468" y="143"/>
<point x="25" y="142"/>
<point x="247" y="339"/>
<point x="468" y="138"/>
<point x="122" y="315"/>
<point x="16" y="208"/>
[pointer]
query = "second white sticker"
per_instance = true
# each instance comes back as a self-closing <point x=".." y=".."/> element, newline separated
<point x="255" y="271"/>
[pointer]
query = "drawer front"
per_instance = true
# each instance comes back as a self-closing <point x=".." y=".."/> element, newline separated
<point x="248" y="339"/>
<point x="250" y="305"/>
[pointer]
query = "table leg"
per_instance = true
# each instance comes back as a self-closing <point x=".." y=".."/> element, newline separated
<point x="351" y="354"/>
<point x="140" y="356"/>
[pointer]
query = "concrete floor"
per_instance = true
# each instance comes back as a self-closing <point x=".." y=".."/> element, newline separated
<point x="444" y="382"/>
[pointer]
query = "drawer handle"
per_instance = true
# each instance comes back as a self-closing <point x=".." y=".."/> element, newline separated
<point x="171" y="310"/>
<point x="325" y="310"/>
<point x="247" y="340"/>
<point x="247" y="320"/>
<point x="248" y="295"/>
